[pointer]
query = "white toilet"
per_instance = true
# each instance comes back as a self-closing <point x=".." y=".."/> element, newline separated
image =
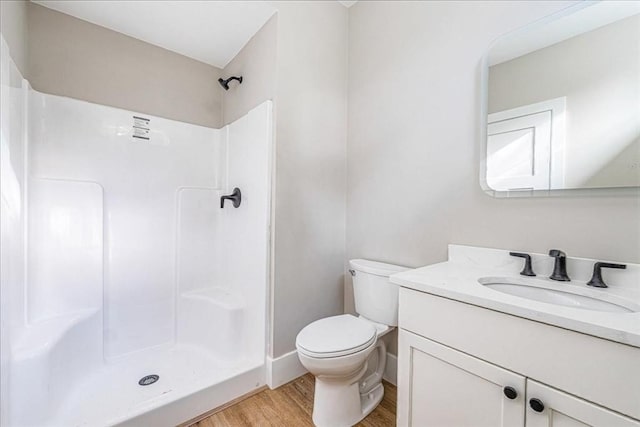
<point x="338" y="349"/>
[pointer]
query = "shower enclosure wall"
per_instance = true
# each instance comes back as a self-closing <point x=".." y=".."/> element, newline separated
<point x="118" y="262"/>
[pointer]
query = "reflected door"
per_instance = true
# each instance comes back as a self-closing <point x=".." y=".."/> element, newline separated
<point x="525" y="147"/>
<point x="518" y="152"/>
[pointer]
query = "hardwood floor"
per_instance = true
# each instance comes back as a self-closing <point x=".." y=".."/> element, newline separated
<point x="291" y="405"/>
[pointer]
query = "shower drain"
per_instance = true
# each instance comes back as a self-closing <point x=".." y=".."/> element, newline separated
<point x="148" y="380"/>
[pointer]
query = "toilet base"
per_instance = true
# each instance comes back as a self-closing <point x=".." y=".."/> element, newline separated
<point x="337" y="404"/>
<point x="345" y="400"/>
<point x="369" y="401"/>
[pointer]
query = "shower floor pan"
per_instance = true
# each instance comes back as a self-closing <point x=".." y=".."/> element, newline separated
<point x="191" y="382"/>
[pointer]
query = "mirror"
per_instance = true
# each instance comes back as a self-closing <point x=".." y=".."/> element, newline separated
<point x="561" y="104"/>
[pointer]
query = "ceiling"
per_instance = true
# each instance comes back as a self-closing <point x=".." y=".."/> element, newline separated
<point x="209" y="31"/>
<point x="568" y="23"/>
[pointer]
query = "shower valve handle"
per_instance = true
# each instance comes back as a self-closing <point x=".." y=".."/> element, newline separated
<point x="235" y="197"/>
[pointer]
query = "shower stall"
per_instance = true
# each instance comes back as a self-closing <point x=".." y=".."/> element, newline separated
<point x="128" y="295"/>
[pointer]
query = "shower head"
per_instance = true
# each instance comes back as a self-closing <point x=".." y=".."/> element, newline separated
<point x="225" y="83"/>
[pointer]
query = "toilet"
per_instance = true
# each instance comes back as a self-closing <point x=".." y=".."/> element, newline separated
<point x="339" y="350"/>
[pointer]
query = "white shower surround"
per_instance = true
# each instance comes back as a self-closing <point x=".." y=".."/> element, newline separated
<point x="132" y="268"/>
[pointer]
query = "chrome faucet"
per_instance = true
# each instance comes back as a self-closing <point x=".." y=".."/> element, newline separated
<point x="560" y="266"/>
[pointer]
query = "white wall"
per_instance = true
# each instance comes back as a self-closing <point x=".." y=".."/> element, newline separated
<point x="597" y="72"/>
<point x="413" y="148"/>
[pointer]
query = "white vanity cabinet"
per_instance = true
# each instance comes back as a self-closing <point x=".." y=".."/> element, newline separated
<point x="439" y="386"/>
<point x="455" y="361"/>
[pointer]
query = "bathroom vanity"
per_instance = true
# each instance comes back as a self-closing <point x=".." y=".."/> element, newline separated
<point x="472" y="353"/>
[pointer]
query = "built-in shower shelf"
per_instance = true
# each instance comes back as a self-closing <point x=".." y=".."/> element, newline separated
<point x="42" y="336"/>
<point x="212" y="316"/>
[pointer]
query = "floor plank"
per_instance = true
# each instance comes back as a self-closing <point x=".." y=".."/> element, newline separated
<point x="292" y="405"/>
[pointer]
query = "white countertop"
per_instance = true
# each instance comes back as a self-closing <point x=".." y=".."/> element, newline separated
<point x="457" y="279"/>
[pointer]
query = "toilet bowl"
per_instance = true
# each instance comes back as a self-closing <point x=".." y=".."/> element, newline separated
<point x="345" y="352"/>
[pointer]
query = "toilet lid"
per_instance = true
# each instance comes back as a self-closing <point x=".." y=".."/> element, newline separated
<point x="336" y="336"/>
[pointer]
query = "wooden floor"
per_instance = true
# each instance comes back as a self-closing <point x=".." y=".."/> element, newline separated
<point x="291" y="405"/>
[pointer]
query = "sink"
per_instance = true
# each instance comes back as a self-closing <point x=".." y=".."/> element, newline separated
<point x="570" y="296"/>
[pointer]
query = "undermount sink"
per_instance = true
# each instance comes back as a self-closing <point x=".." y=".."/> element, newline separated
<point x="571" y="296"/>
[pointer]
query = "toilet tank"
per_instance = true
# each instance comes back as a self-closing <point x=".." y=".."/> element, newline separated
<point x="376" y="298"/>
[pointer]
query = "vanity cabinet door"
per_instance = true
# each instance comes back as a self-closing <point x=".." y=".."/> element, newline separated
<point x="442" y="387"/>
<point x="557" y="409"/>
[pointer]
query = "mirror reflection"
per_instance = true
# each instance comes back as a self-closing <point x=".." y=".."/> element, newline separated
<point x="564" y="103"/>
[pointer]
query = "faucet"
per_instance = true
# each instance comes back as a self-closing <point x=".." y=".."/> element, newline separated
<point x="560" y="266"/>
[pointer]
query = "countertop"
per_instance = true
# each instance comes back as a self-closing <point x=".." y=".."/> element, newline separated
<point x="457" y="279"/>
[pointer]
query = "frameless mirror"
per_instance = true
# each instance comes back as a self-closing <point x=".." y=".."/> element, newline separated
<point x="561" y="104"/>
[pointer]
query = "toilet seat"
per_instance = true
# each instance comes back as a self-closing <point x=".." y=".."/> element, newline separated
<point x="336" y="336"/>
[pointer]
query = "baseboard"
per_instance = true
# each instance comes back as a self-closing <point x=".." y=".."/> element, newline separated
<point x="391" y="369"/>
<point x="283" y="369"/>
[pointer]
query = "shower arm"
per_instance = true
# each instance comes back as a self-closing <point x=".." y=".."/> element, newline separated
<point x="225" y="82"/>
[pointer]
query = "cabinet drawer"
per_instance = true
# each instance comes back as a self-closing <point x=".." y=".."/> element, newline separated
<point x="598" y="370"/>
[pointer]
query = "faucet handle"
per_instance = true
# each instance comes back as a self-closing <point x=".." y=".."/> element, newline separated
<point x="235" y="197"/>
<point x="557" y="253"/>
<point x="596" y="279"/>
<point x="527" y="270"/>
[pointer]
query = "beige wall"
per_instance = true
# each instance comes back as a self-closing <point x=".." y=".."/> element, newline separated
<point x="71" y="57"/>
<point x="299" y="59"/>
<point x="310" y="202"/>
<point x="413" y="148"/>
<point x="310" y="188"/>
<point x="598" y="73"/>
<point x="13" y="25"/>
<point x="256" y="63"/>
